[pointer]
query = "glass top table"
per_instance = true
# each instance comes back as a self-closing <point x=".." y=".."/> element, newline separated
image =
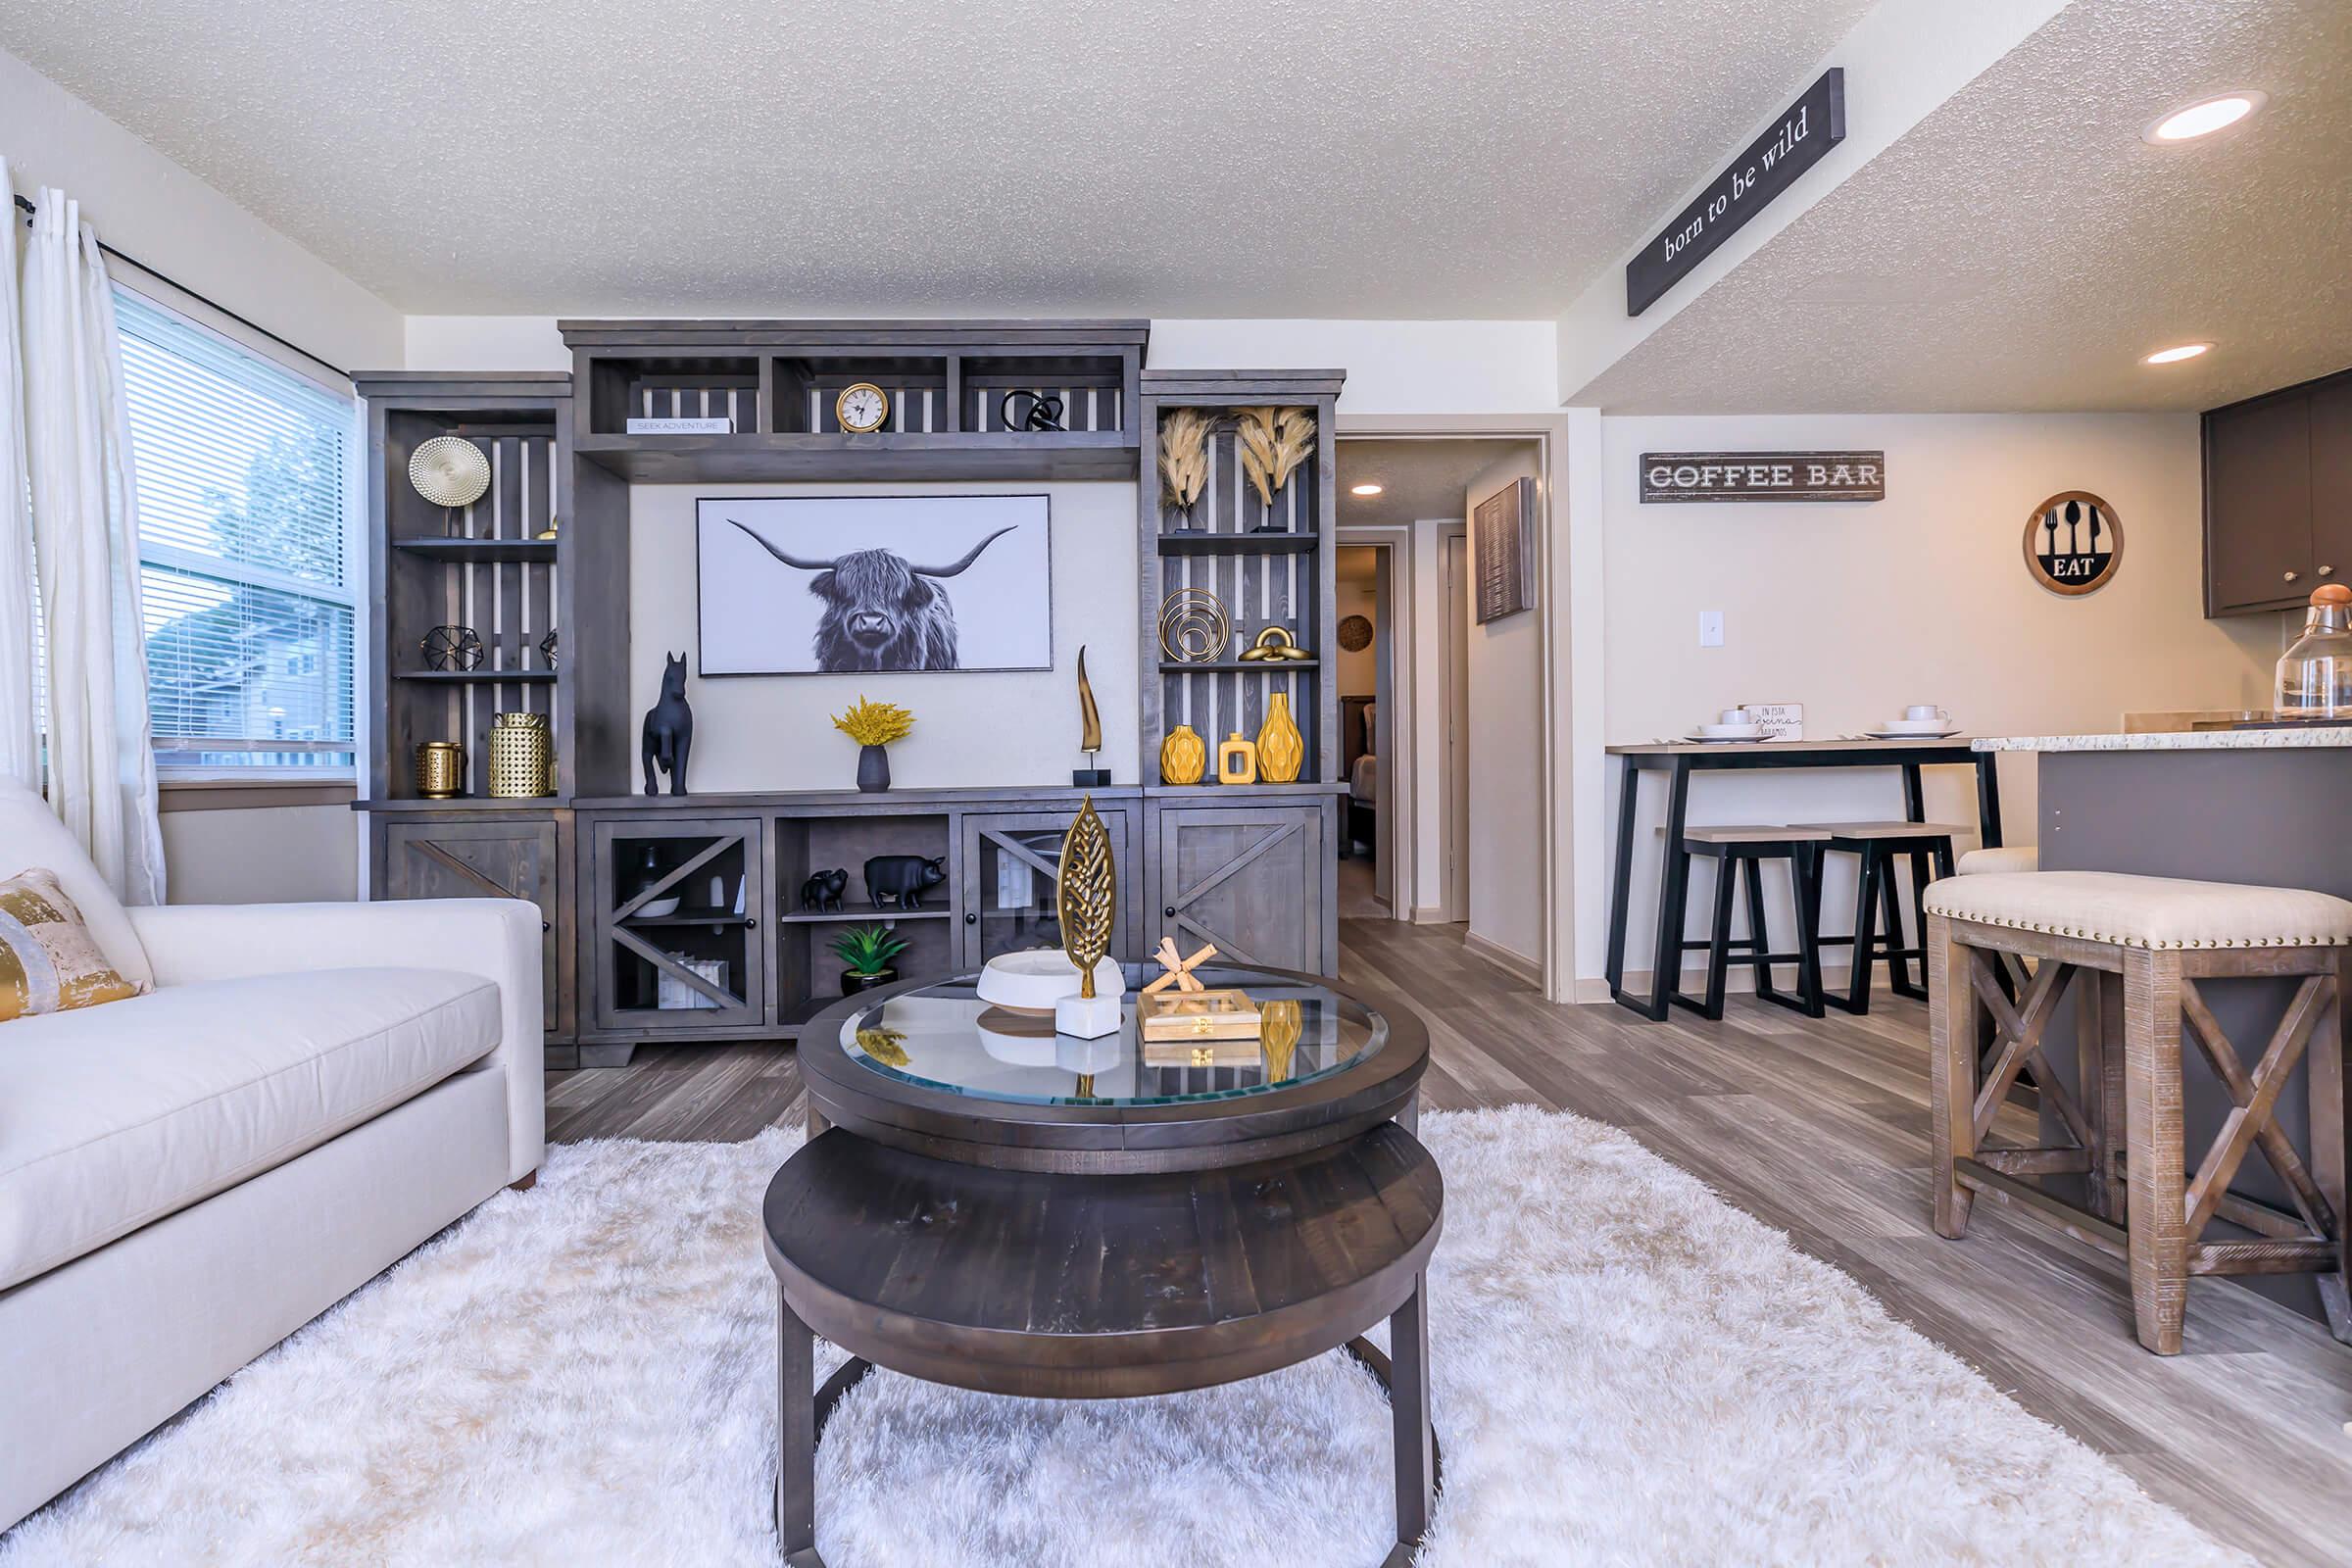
<point x="943" y="1037"/>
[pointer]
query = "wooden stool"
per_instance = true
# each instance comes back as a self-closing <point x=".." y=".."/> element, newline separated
<point x="2134" y="949"/>
<point x="1735" y="848"/>
<point x="1878" y="897"/>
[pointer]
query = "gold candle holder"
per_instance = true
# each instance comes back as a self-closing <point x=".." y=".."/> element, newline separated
<point x="440" y="770"/>
<point x="520" y="755"/>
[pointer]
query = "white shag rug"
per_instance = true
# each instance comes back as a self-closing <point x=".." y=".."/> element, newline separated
<point x="1627" y="1370"/>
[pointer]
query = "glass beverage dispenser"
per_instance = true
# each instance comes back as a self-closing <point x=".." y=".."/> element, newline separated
<point x="2315" y="677"/>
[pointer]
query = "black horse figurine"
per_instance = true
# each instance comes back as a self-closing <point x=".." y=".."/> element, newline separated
<point x="668" y="729"/>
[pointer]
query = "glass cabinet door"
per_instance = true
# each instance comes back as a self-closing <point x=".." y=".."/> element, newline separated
<point x="1011" y="863"/>
<point x="677" y="917"/>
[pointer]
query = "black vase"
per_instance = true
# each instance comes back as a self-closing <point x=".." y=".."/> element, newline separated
<point x="873" y="769"/>
<point x="851" y="984"/>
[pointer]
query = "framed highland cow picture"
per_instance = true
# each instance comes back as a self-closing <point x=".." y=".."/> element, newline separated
<point x="825" y="585"/>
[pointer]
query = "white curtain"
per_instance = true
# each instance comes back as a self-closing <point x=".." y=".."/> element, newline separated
<point x="20" y="737"/>
<point x="86" y="538"/>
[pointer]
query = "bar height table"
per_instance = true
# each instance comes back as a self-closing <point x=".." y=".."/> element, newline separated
<point x="1679" y="760"/>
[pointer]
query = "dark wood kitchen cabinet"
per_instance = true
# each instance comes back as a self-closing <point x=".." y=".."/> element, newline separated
<point x="2277" y="497"/>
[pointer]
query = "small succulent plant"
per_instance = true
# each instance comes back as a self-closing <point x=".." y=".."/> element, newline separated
<point x="867" y="949"/>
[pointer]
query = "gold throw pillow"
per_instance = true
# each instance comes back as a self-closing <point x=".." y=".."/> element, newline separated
<point x="48" y="961"/>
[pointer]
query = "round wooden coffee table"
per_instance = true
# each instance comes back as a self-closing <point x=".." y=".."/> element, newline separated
<point x="987" y="1205"/>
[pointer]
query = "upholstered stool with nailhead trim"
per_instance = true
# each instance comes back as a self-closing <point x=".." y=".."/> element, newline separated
<point x="2007" y="858"/>
<point x="2135" y="951"/>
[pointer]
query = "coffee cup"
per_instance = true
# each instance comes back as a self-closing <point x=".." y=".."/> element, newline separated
<point x="1734" y="715"/>
<point x="1921" y="712"/>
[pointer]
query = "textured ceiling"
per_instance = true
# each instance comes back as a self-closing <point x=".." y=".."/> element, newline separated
<point x="1419" y="479"/>
<point x="2023" y="246"/>
<point x="1356" y="158"/>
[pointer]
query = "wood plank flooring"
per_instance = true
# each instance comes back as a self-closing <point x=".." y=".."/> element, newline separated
<point x="1820" y="1129"/>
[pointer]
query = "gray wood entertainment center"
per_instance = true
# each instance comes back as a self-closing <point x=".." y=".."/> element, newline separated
<point x="1251" y="867"/>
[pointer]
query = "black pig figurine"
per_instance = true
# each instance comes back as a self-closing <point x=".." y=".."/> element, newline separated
<point x="823" y="891"/>
<point x="902" y="878"/>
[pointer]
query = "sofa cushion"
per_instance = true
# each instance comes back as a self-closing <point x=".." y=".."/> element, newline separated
<point x="30" y="835"/>
<point x="48" y="960"/>
<point x="114" y="1116"/>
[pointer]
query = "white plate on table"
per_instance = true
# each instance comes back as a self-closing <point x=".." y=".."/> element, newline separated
<point x="1721" y="733"/>
<point x="1938" y="731"/>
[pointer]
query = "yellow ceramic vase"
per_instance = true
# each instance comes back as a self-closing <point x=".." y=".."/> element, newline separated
<point x="1183" y="756"/>
<point x="1280" y="749"/>
<point x="1237" y="760"/>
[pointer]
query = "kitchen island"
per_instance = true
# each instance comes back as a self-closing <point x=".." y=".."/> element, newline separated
<point x="2269" y="806"/>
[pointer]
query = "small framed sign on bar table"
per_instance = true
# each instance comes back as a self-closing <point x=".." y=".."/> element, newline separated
<point x="1502" y="551"/>
<point x="1792" y="144"/>
<point x="1763" y="476"/>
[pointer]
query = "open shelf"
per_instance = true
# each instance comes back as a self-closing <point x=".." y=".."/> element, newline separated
<point x="690" y="917"/>
<point x="492" y="551"/>
<point x="1238" y="544"/>
<point x="1236" y="666"/>
<point x="476" y="677"/>
<point x="859" y="917"/>
<point x="884" y="455"/>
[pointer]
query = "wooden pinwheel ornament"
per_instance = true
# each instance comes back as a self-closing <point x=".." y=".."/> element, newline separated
<point x="1180" y="968"/>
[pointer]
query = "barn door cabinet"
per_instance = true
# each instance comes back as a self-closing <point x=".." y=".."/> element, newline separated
<point x="1011" y="864"/>
<point x="1254" y="876"/>
<point x="2277" y="497"/>
<point x="676" y="912"/>
<point x="492" y="854"/>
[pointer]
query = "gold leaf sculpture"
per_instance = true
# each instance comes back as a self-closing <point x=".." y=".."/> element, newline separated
<point x="1085" y="895"/>
<point x="872" y="723"/>
<point x="1273" y="442"/>
<point x="1090" y="717"/>
<point x="1184" y="455"/>
<point x="1279" y="1026"/>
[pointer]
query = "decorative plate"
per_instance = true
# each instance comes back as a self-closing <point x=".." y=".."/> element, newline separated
<point x="1356" y="633"/>
<point x="450" y="471"/>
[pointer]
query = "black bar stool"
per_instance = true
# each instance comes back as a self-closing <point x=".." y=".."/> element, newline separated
<point x="1739" y="851"/>
<point x="1878" y="901"/>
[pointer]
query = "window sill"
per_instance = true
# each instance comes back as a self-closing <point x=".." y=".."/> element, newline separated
<point x="200" y="790"/>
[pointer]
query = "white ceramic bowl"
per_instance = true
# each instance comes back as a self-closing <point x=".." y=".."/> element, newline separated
<point x="658" y="909"/>
<point x="1732" y="732"/>
<point x="1032" y="982"/>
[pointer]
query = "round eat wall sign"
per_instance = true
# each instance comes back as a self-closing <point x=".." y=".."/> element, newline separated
<point x="2074" y="542"/>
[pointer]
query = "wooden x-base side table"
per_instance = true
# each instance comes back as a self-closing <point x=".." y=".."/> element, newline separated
<point x="963" y="1215"/>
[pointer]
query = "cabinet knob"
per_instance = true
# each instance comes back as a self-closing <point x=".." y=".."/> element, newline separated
<point x="752" y="924"/>
<point x="972" y="918"/>
<point x="545" y="926"/>
<point x="2292" y="576"/>
<point x="2326" y="572"/>
<point x="1169" y="913"/>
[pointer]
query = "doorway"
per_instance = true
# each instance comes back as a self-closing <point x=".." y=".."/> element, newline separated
<point x="1446" y="795"/>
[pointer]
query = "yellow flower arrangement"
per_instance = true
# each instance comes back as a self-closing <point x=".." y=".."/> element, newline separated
<point x="871" y="724"/>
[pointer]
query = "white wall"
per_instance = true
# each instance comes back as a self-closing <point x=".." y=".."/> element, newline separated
<point x="776" y="732"/>
<point x="1856" y="610"/>
<point x="1506" y="755"/>
<point x="144" y="203"/>
<point x="274" y="855"/>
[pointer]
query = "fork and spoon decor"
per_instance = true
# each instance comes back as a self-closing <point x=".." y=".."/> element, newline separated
<point x="2076" y="570"/>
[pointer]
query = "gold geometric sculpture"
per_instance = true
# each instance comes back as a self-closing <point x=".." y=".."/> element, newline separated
<point x="1273" y="442"/>
<point x="1193" y="627"/>
<point x="1087" y="895"/>
<point x="1090" y="717"/>
<point x="1279" y="1026"/>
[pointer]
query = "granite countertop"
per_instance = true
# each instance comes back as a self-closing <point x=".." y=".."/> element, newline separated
<point x="2203" y="740"/>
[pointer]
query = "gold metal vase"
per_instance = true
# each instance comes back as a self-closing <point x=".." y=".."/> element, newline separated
<point x="1280" y="749"/>
<point x="520" y="755"/>
<point x="440" y="770"/>
<point x="1183" y="756"/>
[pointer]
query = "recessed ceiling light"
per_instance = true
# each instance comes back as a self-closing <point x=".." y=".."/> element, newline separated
<point x="2175" y="354"/>
<point x="2203" y="118"/>
<point x="1363" y="489"/>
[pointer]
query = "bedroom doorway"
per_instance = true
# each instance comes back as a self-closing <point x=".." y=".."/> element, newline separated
<point x="1368" y="705"/>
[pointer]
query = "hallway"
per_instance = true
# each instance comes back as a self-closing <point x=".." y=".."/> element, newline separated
<point x="1820" y="1129"/>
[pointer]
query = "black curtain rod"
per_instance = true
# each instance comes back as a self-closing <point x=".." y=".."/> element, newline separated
<point x="209" y="302"/>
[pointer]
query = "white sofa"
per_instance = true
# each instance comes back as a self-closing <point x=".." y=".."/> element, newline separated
<point x="189" y="1176"/>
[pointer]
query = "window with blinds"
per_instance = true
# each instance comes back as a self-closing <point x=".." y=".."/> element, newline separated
<point x="245" y="549"/>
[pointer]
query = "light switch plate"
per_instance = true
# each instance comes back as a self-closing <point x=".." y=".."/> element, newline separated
<point x="1711" y="629"/>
